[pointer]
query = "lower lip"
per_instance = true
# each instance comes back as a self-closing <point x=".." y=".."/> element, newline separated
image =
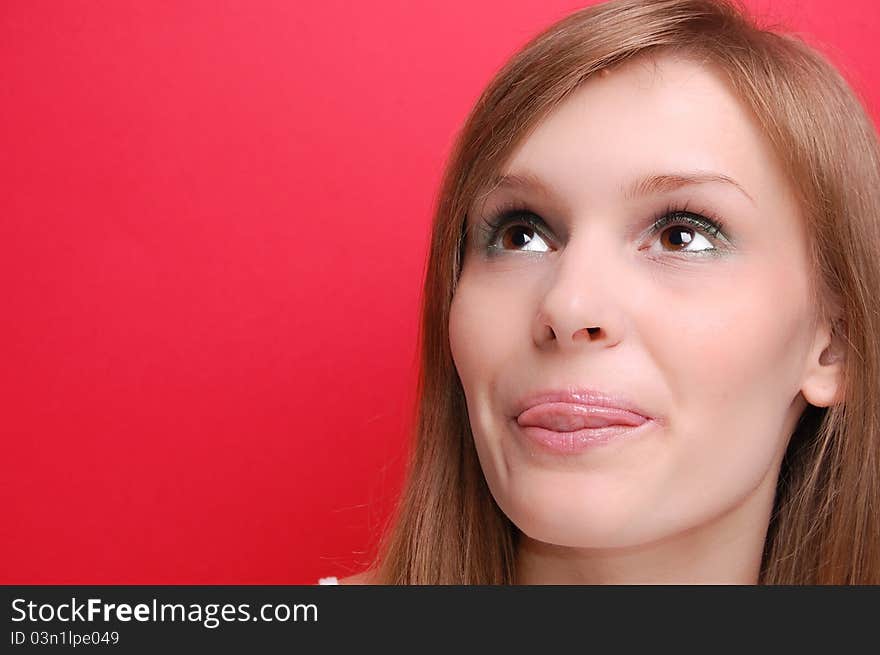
<point x="578" y="441"/>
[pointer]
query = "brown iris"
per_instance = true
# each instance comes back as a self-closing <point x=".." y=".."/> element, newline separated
<point x="676" y="237"/>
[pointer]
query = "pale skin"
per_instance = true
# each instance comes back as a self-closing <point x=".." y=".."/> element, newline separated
<point x="725" y="350"/>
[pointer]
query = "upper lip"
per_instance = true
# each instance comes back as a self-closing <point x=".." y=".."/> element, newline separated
<point x="616" y="407"/>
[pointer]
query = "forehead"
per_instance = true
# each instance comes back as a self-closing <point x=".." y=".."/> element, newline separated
<point x="648" y="115"/>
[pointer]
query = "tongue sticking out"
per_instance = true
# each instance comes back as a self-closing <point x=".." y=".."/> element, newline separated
<point x="568" y="417"/>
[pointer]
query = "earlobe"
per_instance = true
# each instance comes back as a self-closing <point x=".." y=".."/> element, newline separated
<point x="823" y="380"/>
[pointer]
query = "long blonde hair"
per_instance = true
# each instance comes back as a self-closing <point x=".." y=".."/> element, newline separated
<point x="825" y="529"/>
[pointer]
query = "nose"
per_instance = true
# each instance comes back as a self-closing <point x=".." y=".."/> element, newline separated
<point x="581" y="305"/>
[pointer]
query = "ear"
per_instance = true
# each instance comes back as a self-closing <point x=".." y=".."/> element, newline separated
<point x="823" y="375"/>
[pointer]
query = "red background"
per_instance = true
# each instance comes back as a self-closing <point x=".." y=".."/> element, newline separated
<point x="213" y="226"/>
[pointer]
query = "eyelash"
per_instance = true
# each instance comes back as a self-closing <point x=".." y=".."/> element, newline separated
<point x="674" y="214"/>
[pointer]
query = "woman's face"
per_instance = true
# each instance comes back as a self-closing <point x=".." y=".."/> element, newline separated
<point x="707" y="334"/>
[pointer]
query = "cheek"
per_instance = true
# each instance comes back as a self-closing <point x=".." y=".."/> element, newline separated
<point x="486" y="335"/>
<point x="742" y="336"/>
<point x="481" y="327"/>
<point x="466" y="329"/>
<point x="732" y="357"/>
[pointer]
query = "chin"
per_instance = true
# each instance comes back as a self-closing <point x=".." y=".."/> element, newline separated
<point x="556" y="514"/>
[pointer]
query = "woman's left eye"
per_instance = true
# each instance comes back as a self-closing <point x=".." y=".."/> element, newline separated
<point x="679" y="231"/>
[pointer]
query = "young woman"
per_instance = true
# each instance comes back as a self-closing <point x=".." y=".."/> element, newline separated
<point x="650" y="331"/>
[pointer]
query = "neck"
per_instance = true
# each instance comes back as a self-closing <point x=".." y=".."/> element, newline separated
<point x="726" y="550"/>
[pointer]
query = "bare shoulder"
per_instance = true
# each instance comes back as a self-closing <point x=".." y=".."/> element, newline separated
<point x="365" y="577"/>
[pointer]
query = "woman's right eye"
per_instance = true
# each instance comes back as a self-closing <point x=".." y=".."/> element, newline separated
<point x="515" y="231"/>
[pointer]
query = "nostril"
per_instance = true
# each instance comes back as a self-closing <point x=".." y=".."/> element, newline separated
<point x="591" y="333"/>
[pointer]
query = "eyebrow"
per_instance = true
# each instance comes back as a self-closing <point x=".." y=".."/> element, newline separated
<point x="650" y="184"/>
